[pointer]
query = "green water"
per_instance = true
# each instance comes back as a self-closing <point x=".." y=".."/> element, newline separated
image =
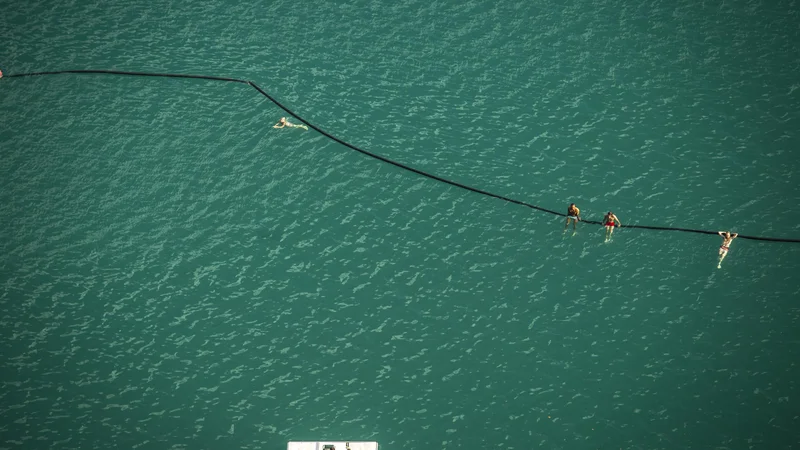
<point x="178" y="274"/>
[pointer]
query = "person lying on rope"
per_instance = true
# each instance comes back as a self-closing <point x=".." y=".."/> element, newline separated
<point x="285" y="123"/>
<point x="727" y="238"/>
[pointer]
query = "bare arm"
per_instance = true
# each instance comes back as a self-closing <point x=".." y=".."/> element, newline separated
<point x="735" y="235"/>
<point x="277" y="125"/>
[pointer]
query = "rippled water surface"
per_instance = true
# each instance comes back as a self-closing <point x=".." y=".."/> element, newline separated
<point x="175" y="273"/>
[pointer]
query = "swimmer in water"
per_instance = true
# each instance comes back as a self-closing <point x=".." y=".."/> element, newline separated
<point x="285" y="123"/>
<point x="609" y="222"/>
<point x="727" y="238"/>
<point x="574" y="215"/>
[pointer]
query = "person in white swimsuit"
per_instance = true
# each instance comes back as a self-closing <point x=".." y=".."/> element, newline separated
<point x="285" y="123"/>
<point x="727" y="238"/>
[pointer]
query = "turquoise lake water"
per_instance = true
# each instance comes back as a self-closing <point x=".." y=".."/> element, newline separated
<point x="177" y="274"/>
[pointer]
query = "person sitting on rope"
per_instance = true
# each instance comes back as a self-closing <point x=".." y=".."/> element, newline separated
<point x="727" y="238"/>
<point x="285" y="123"/>
<point x="573" y="214"/>
<point x="609" y="222"/>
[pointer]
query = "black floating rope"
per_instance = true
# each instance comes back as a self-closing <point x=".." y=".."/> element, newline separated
<point x="373" y="155"/>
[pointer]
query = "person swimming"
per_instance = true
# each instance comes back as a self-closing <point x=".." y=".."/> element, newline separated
<point x="285" y="123"/>
<point x="610" y="221"/>
<point x="727" y="238"/>
<point x="574" y="215"/>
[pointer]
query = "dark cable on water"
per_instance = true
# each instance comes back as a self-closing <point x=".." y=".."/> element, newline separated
<point x="376" y="156"/>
